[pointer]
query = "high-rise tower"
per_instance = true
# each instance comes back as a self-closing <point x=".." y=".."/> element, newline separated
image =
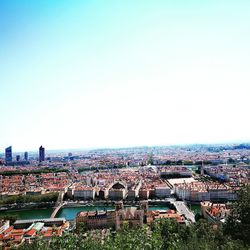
<point x="8" y="154"/>
<point x="18" y="157"/>
<point x="26" y="157"/>
<point x="41" y="154"/>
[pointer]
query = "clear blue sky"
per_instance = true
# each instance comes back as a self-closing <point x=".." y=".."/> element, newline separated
<point x="80" y="74"/>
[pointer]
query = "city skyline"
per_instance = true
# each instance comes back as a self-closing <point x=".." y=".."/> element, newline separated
<point x="123" y="74"/>
<point x="78" y="150"/>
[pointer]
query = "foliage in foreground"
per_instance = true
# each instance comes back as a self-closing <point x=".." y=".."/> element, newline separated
<point x="238" y="222"/>
<point x="165" y="234"/>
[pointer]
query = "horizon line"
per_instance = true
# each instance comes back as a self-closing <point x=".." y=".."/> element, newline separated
<point x="131" y="147"/>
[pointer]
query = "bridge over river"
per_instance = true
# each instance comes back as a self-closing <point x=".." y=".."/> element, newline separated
<point x="57" y="209"/>
<point x="183" y="209"/>
<point x="59" y="204"/>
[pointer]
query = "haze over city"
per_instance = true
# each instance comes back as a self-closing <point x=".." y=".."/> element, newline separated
<point x="85" y="74"/>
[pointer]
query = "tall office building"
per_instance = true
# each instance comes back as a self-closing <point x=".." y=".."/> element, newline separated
<point x="8" y="154"/>
<point x="41" y="154"/>
<point x="18" y="157"/>
<point x="26" y="157"/>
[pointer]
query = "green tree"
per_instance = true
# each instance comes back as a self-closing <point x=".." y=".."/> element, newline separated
<point x="81" y="228"/>
<point x="238" y="222"/>
<point x="11" y="218"/>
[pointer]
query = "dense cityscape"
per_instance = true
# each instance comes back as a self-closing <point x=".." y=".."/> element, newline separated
<point x="108" y="188"/>
<point x="124" y="125"/>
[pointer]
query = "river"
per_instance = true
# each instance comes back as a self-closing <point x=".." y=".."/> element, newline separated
<point x="70" y="212"/>
<point x="67" y="212"/>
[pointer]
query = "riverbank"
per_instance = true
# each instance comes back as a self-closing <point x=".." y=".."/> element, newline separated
<point x="110" y="202"/>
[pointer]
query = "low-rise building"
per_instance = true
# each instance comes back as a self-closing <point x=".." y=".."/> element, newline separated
<point x="85" y="193"/>
<point x="200" y="191"/>
<point x="216" y="213"/>
<point x="133" y="191"/>
<point x="111" y="219"/>
<point x="162" y="191"/>
<point x="118" y="191"/>
<point x="169" y="214"/>
<point x="97" y="219"/>
<point x="174" y="171"/>
<point x="4" y="224"/>
<point x="144" y="193"/>
<point x="28" y="230"/>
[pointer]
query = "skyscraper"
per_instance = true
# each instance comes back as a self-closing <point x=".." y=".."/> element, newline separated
<point x="26" y="157"/>
<point x="8" y="154"/>
<point x="41" y="154"/>
<point x="18" y="157"/>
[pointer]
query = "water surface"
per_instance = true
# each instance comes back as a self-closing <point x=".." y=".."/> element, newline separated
<point x="67" y="212"/>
